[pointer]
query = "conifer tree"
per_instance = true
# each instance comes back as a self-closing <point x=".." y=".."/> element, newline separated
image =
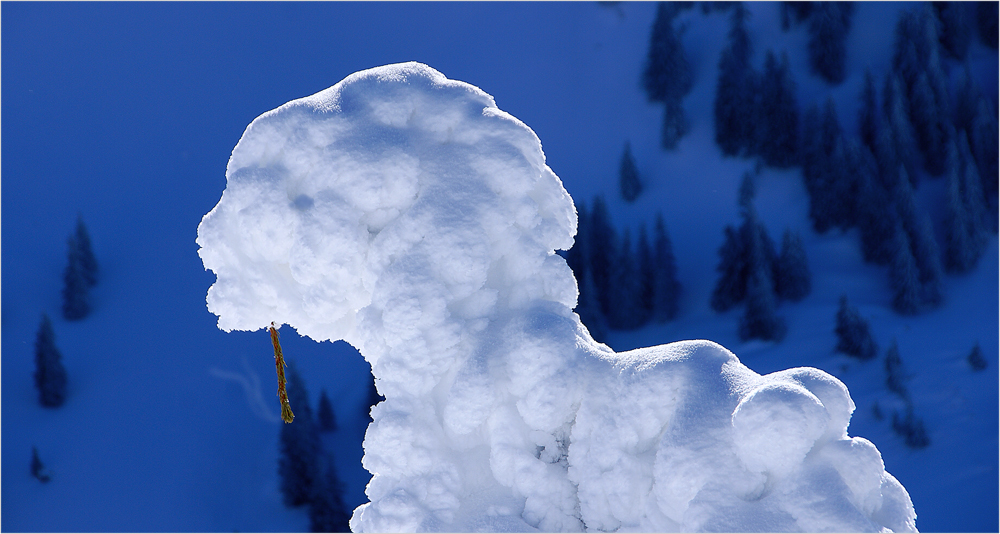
<point x="625" y="308"/>
<point x="976" y="359"/>
<point x="956" y="27"/>
<point x="986" y="18"/>
<point x="76" y="289"/>
<point x="730" y="288"/>
<point x="967" y="96"/>
<point x="870" y="116"/>
<point x="735" y="109"/>
<point x="829" y="24"/>
<point x="929" y="121"/>
<point x="589" y="309"/>
<point x="792" y="279"/>
<point x="667" y="75"/>
<point x="675" y="124"/>
<point x="88" y="263"/>
<point x="628" y="176"/>
<point x="911" y="428"/>
<point x="759" y="320"/>
<point x="923" y="246"/>
<point x="876" y="223"/>
<point x="984" y="143"/>
<point x="298" y="464"/>
<point x="778" y="130"/>
<point x="666" y="288"/>
<point x="38" y="469"/>
<point x="965" y="233"/>
<point x="50" y="375"/>
<point x="324" y="414"/>
<point x="647" y="273"/>
<point x="903" y="274"/>
<point x="899" y="131"/>
<point x="603" y="249"/>
<point x="327" y="512"/>
<point x="854" y="335"/>
<point x="895" y="374"/>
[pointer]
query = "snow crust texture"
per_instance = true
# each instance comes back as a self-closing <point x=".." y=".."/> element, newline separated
<point x="406" y="214"/>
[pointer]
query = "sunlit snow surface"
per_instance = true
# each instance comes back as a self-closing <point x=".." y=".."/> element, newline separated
<point x="406" y="214"/>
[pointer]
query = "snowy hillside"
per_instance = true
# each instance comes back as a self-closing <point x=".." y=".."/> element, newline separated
<point x="128" y="113"/>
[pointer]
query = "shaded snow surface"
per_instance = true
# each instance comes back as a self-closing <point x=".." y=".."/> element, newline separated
<point x="406" y="214"/>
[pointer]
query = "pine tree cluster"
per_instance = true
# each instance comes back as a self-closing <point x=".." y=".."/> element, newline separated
<point x="621" y="286"/>
<point x="907" y="425"/>
<point x="829" y="24"/>
<point x="306" y="469"/>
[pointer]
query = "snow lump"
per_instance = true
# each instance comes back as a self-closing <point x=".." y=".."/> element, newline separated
<point x="406" y="214"/>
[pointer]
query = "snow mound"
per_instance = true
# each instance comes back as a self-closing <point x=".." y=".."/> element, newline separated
<point x="406" y="214"/>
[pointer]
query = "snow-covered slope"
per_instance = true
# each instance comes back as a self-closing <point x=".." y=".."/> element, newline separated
<point x="127" y="113"/>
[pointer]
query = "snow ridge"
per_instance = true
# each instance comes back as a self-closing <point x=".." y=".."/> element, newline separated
<point x="406" y="214"/>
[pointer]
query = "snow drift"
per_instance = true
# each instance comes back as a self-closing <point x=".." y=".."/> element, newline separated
<point x="406" y="214"/>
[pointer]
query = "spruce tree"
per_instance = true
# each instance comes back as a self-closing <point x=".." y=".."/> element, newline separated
<point x="666" y="288"/>
<point x="854" y="335"/>
<point x="965" y="236"/>
<point x="759" y="320"/>
<point x="929" y="120"/>
<point x="625" y="310"/>
<point x="870" y="115"/>
<point x="603" y="250"/>
<point x="38" y="469"/>
<point x="730" y="288"/>
<point x="876" y="223"/>
<point x="923" y="246"/>
<point x="829" y="24"/>
<point x="589" y="309"/>
<point x="778" y="130"/>
<point x="76" y="289"/>
<point x="903" y="274"/>
<point x="895" y="374"/>
<point x="792" y="278"/>
<point x="900" y="132"/>
<point x="984" y="143"/>
<point x="735" y="106"/>
<point x="298" y="464"/>
<point x="647" y="273"/>
<point x="324" y="414"/>
<point x="911" y="428"/>
<point x="628" y="176"/>
<point x="976" y="359"/>
<point x="986" y="18"/>
<point x="956" y="27"/>
<point x="667" y="76"/>
<point x="50" y="375"/>
<point x="327" y="512"/>
<point x="88" y="263"/>
<point x="675" y="124"/>
<point x="967" y="96"/>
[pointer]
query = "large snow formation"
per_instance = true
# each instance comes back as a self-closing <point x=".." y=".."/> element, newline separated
<point x="405" y="213"/>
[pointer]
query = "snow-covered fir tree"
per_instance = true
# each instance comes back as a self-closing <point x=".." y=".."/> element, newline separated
<point x="603" y="249"/>
<point x="88" y="262"/>
<point x="965" y="213"/>
<point x="50" y="375"/>
<point x="923" y="245"/>
<point x="903" y="277"/>
<point x="667" y="77"/>
<point x="759" y="320"/>
<point x="956" y="27"/>
<point x="854" y="336"/>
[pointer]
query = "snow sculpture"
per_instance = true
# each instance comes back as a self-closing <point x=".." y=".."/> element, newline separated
<point x="405" y="213"/>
